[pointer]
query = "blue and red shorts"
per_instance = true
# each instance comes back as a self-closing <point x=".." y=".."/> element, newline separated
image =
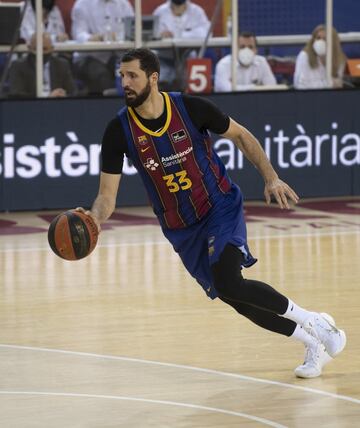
<point x="200" y="245"/>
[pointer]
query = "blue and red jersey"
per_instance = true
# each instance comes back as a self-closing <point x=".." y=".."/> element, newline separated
<point x="182" y="174"/>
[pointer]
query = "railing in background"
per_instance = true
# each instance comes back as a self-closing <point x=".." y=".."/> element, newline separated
<point x="213" y="42"/>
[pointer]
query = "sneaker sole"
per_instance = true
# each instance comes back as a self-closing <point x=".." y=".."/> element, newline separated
<point x="299" y="372"/>
<point x="331" y="322"/>
<point x="307" y="376"/>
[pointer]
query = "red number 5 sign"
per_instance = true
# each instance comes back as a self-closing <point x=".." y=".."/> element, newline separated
<point x="199" y="75"/>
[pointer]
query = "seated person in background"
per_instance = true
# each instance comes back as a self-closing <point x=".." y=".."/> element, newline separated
<point x="252" y="69"/>
<point x="52" y="20"/>
<point x="98" y="21"/>
<point x="58" y="80"/>
<point x="178" y="19"/>
<point x="181" y="19"/>
<point x="310" y="67"/>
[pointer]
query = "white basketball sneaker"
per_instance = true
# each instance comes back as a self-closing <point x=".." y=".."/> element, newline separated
<point x="322" y="327"/>
<point x="315" y="359"/>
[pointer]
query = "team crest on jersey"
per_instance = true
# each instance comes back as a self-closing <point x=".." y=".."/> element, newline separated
<point x="151" y="164"/>
<point x="178" y="135"/>
<point x="142" y="140"/>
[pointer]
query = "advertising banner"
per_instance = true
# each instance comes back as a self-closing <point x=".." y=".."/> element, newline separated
<point x="49" y="150"/>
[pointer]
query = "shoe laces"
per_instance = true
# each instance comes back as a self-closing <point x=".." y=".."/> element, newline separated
<point x="312" y="354"/>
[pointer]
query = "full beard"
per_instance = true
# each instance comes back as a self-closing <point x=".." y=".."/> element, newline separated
<point x="140" y="98"/>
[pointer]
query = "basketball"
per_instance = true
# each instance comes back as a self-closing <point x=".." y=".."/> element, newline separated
<point x="72" y="235"/>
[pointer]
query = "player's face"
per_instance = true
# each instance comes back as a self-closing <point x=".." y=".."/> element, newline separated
<point x="135" y="82"/>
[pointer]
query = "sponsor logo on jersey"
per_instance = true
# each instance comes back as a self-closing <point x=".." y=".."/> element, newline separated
<point x="176" y="158"/>
<point x="144" y="150"/>
<point x="151" y="164"/>
<point x="178" y="135"/>
<point x="167" y="161"/>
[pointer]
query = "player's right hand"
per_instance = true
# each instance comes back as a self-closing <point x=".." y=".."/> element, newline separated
<point x="88" y="212"/>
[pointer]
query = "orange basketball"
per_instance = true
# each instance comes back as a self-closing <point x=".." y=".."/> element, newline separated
<point x="72" y="235"/>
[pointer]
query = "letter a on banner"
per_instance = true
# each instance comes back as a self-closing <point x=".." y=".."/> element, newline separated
<point x="198" y="75"/>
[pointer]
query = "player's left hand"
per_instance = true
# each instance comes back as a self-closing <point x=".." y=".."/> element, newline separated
<point x="281" y="192"/>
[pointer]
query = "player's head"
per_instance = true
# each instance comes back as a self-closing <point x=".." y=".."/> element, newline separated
<point x="139" y="71"/>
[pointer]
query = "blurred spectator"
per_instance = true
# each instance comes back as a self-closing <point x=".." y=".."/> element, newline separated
<point x="65" y="7"/>
<point x="178" y="19"/>
<point x="52" y="21"/>
<point x="252" y="69"/>
<point x="98" y="21"/>
<point x="58" y="80"/>
<point x="181" y="19"/>
<point x="310" y="68"/>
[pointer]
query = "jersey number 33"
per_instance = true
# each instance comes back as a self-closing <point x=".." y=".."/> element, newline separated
<point x="177" y="181"/>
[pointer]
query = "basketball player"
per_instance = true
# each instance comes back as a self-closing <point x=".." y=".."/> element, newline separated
<point x="199" y="208"/>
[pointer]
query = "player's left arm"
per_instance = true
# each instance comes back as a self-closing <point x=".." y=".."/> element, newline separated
<point x="253" y="151"/>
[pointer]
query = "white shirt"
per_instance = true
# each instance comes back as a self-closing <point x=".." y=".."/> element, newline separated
<point x="306" y="77"/>
<point x="54" y="26"/>
<point x="46" y="80"/>
<point x="193" y="23"/>
<point x="96" y="17"/>
<point x="258" y="73"/>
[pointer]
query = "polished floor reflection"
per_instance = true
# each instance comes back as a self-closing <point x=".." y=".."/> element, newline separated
<point x="125" y="337"/>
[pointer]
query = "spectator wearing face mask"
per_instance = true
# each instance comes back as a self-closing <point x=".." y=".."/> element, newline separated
<point x="98" y="21"/>
<point x="52" y="20"/>
<point x="180" y="19"/>
<point x="252" y="70"/>
<point x="310" y="68"/>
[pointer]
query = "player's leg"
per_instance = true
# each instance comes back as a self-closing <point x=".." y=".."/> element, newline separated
<point x="231" y="285"/>
<point x="265" y="319"/>
<point x="315" y="354"/>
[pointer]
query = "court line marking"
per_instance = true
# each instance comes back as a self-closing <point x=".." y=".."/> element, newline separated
<point x="146" y="400"/>
<point x="186" y="367"/>
<point x="163" y="242"/>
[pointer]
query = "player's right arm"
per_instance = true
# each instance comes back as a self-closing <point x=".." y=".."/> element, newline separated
<point x="113" y="148"/>
<point x="105" y="202"/>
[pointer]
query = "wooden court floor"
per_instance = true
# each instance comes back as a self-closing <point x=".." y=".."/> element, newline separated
<point x="125" y="337"/>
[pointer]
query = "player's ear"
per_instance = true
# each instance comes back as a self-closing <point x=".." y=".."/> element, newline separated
<point x="154" y="78"/>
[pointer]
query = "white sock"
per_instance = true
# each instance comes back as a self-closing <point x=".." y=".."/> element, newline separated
<point x="296" y="313"/>
<point x="301" y="335"/>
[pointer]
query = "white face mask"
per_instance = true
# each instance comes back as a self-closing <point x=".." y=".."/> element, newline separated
<point x="320" y="47"/>
<point x="246" y="56"/>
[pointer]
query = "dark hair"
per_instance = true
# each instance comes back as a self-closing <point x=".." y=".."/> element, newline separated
<point x="46" y="4"/>
<point x="247" y="35"/>
<point x="149" y="62"/>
